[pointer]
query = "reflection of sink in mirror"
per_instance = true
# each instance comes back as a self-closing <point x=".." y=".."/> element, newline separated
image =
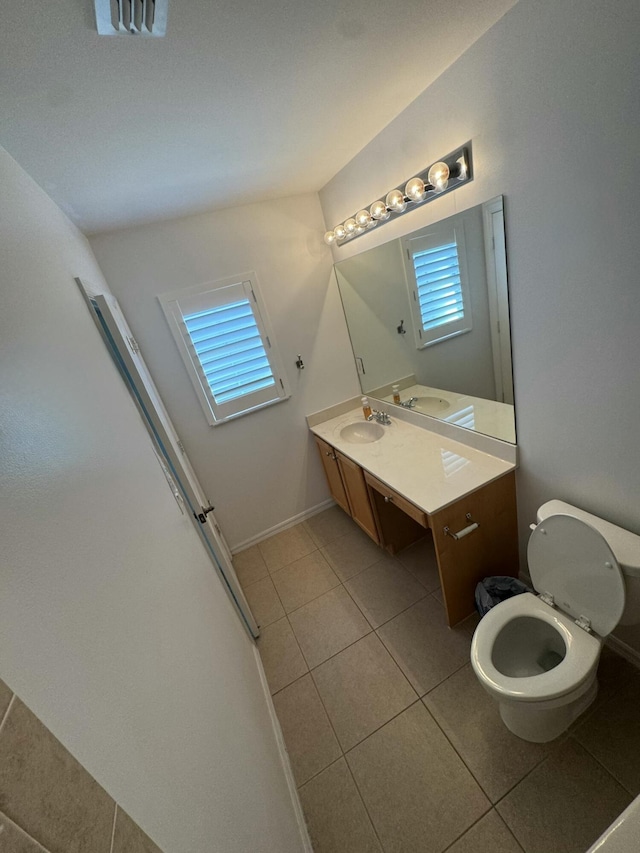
<point x="431" y="405"/>
<point x="433" y="305"/>
<point x="362" y="433"/>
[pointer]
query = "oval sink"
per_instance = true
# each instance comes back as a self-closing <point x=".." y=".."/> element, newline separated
<point x="432" y="404"/>
<point x="362" y="433"/>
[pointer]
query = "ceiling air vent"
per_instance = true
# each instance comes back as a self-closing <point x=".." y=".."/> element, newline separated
<point x="133" y="17"/>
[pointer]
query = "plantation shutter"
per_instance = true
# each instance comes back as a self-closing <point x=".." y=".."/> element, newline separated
<point x="436" y="273"/>
<point x="223" y="338"/>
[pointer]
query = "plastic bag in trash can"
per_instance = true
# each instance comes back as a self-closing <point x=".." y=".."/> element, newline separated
<point x="491" y="591"/>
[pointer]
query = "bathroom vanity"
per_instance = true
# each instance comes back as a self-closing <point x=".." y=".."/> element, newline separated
<point x="400" y="481"/>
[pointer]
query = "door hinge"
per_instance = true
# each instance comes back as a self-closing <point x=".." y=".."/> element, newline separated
<point x="181" y="446"/>
<point x="135" y="349"/>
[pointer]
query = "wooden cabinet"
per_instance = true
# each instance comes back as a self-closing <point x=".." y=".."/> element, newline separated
<point x="490" y="547"/>
<point x="353" y="478"/>
<point x="332" y="473"/>
<point x="400" y="522"/>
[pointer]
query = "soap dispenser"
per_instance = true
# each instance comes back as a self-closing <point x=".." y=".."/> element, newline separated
<point x="366" y="408"/>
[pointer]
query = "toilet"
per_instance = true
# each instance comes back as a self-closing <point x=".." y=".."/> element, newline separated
<point x="537" y="655"/>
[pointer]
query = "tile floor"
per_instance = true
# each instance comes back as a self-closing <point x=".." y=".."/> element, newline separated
<point x="393" y="743"/>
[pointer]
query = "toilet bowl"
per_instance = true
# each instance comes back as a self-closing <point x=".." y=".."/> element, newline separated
<point x="538" y="655"/>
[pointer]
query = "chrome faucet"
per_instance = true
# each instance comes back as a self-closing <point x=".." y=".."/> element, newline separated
<point x="380" y="417"/>
<point x="410" y="403"/>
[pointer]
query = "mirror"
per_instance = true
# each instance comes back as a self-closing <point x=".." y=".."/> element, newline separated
<point x="429" y="312"/>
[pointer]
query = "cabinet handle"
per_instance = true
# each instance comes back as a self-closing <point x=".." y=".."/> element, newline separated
<point x="388" y="499"/>
<point x="331" y="455"/>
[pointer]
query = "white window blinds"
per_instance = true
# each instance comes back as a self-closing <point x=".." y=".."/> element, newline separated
<point x="222" y="334"/>
<point x="436" y="274"/>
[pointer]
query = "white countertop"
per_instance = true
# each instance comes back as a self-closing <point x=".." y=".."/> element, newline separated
<point x="428" y="469"/>
<point x="485" y="416"/>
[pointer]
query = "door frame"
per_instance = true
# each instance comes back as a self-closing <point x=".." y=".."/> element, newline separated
<point x="124" y="350"/>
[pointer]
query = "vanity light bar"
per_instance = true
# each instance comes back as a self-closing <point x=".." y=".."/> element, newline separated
<point x="445" y="175"/>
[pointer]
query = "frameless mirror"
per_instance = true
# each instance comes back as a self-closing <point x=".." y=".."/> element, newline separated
<point x="429" y="313"/>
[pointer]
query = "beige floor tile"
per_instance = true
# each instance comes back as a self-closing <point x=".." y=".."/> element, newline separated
<point x="489" y="835"/>
<point x="329" y="525"/>
<point x="336" y="817"/>
<point x="281" y="656"/>
<point x="307" y="732"/>
<point x="304" y="580"/>
<point x="423" y="645"/>
<point x="250" y="566"/>
<point x="384" y="590"/>
<point x="327" y="625"/>
<point x="419" y="794"/>
<point x="264" y="602"/>
<point x="612" y="735"/>
<point x="286" y="547"/>
<point x="129" y="838"/>
<point x="420" y="560"/>
<point x="351" y="553"/>
<point x="46" y="792"/>
<point x="362" y="688"/>
<point x="471" y="720"/>
<point x="565" y="804"/>
<point x="5" y="698"/>
<point x="14" y="840"/>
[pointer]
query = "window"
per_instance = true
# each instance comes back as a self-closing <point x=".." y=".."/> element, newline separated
<point x="225" y="341"/>
<point x="438" y="287"/>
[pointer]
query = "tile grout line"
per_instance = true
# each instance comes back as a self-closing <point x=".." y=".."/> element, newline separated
<point x="113" y="826"/>
<point x="6" y="713"/>
<point x="24" y="833"/>
<point x="603" y="765"/>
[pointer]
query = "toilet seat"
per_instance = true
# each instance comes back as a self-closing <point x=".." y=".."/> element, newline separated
<point x="582" y="652"/>
<point x="572" y="563"/>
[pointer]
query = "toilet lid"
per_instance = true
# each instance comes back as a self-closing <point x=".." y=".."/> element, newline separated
<point x="571" y="560"/>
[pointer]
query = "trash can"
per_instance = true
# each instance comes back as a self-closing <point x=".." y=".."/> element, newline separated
<point x="491" y="591"/>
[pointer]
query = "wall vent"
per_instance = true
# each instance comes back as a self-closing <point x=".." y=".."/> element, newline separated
<point x="131" y="17"/>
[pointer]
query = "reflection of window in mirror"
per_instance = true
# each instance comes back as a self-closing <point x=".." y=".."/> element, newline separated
<point x="436" y="270"/>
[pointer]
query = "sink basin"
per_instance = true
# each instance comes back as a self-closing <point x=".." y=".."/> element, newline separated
<point x="362" y="433"/>
<point x="432" y="405"/>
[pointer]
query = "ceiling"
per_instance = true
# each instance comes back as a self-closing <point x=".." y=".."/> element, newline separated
<point x="239" y="102"/>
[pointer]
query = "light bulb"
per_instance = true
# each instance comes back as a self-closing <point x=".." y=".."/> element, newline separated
<point x="415" y="189"/>
<point x="363" y="218"/>
<point x="439" y="176"/>
<point x="360" y="229"/>
<point x="340" y="232"/>
<point x="395" y="200"/>
<point x="330" y="237"/>
<point x="350" y="226"/>
<point x="378" y="210"/>
<point x="462" y="163"/>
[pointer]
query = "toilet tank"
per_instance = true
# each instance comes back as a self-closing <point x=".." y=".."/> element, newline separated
<point x="624" y="544"/>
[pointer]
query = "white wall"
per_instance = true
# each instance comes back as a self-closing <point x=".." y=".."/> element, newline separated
<point x="262" y="469"/>
<point x="549" y="98"/>
<point x="114" y="628"/>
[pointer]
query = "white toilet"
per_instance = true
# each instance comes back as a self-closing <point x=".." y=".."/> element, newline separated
<point x="538" y="655"/>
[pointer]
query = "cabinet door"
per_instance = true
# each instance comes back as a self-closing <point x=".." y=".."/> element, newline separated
<point x="330" y="465"/>
<point x="491" y="549"/>
<point x="356" y="487"/>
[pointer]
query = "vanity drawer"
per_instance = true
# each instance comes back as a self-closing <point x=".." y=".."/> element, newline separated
<point x="397" y="500"/>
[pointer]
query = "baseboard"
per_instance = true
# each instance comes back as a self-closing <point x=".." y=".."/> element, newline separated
<point x="623" y="650"/>
<point x="284" y="525"/>
<point x="284" y="757"/>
